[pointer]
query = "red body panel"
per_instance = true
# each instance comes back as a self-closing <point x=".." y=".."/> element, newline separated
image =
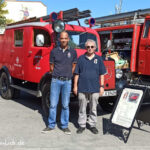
<point x="144" y="52"/>
<point x="134" y="50"/>
<point x="110" y="76"/>
<point x="140" y="51"/>
<point x="28" y="62"/>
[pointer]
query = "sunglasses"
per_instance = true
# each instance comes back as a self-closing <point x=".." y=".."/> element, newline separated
<point x="90" y="47"/>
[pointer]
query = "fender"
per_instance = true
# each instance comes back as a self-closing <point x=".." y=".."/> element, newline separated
<point x="45" y="79"/>
<point x="5" y="69"/>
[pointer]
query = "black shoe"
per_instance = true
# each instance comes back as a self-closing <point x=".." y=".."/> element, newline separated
<point x="47" y="129"/>
<point x="66" y="131"/>
<point x="80" y="130"/>
<point x="94" y="130"/>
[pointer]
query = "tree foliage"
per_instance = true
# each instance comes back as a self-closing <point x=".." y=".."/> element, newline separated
<point x="3" y="12"/>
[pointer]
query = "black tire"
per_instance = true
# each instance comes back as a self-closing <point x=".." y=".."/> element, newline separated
<point x="5" y="89"/>
<point x="16" y="94"/>
<point x="46" y="101"/>
<point x="107" y="103"/>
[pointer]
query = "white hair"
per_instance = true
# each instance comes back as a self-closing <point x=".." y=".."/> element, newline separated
<point x="90" y="40"/>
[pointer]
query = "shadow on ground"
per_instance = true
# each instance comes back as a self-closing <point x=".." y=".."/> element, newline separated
<point x="34" y="103"/>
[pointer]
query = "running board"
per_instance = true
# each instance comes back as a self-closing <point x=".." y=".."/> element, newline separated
<point x="32" y="92"/>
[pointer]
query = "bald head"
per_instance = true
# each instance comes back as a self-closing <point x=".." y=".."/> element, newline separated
<point x="64" y="33"/>
<point x="64" y="39"/>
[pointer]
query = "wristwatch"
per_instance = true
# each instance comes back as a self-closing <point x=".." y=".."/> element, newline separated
<point x="102" y="86"/>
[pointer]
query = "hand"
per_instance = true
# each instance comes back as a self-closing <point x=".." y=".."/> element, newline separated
<point x="75" y="90"/>
<point x="101" y="92"/>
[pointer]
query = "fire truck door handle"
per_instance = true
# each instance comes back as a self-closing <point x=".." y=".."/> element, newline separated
<point x="147" y="46"/>
<point x="141" y="61"/>
<point x="12" y="51"/>
<point x="30" y="52"/>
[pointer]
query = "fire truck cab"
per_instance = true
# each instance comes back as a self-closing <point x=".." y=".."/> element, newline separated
<point x="25" y="49"/>
<point x="125" y="38"/>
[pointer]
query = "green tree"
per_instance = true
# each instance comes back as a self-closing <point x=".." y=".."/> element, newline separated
<point x="3" y="12"/>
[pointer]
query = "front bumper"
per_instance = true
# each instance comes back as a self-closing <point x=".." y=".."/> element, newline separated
<point x="109" y="93"/>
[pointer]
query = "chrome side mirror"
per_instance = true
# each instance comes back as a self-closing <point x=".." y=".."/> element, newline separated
<point x="40" y="40"/>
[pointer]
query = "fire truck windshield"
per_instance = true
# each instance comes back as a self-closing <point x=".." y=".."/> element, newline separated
<point x="78" y="39"/>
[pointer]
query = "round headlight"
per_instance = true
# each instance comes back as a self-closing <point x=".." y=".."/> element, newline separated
<point x="58" y="26"/>
<point x="119" y="73"/>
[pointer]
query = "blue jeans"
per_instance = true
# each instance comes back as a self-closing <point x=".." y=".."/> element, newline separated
<point x="57" y="87"/>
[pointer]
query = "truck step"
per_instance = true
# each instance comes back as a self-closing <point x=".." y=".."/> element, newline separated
<point x="32" y="92"/>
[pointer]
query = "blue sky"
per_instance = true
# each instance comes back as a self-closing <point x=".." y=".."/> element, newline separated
<point x="98" y="7"/>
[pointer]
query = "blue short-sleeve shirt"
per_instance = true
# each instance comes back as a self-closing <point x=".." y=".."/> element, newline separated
<point x="63" y="61"/>
<point x="89" y="72"/>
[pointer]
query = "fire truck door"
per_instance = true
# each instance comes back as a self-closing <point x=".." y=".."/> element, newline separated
<point x="17" y="54"/>
<point x="37" y="56"/>
<point x="144" y="50"/>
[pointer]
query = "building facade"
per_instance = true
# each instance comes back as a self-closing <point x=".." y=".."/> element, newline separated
<point x="21" y="10"/>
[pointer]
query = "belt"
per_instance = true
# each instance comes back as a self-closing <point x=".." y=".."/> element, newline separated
<point x="62" y="78"/>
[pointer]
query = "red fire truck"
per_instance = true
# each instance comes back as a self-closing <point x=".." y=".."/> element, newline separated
<point x="24" y="53"/>
<point x="125" y="38"/>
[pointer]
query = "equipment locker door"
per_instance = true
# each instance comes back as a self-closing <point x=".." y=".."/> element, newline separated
<point x="144" y="50"/>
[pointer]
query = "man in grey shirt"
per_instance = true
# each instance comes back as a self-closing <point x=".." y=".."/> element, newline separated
<point x="89" y="71"/>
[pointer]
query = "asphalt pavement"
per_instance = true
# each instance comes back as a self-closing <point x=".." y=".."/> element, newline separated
<point x="21" y="123"/>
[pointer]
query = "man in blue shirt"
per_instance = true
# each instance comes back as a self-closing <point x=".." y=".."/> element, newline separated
<point x="62" y="65"/>
<point x="89" y="71"/>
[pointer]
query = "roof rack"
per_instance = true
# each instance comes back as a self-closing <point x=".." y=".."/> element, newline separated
<point x="75" y="14"/>
<point x="137" y="14"/>
<point x="67" y="16"/>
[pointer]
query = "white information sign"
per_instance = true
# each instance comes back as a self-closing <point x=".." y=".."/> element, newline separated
<point x="127" y="107"/>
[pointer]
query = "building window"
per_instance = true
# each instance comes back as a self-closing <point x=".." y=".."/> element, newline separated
<point x="18" y="38"/>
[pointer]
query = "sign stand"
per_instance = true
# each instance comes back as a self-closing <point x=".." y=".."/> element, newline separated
<point x="125" y="111"/>
<point x="113" y="129"/>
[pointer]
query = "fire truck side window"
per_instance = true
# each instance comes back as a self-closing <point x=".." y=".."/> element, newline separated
<point x="78" y="39"/>
<point x="47" y="40"/>
<point x="146" y="29"/>
<point x="104" y="36"/>
<point x="18" y="38"/>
